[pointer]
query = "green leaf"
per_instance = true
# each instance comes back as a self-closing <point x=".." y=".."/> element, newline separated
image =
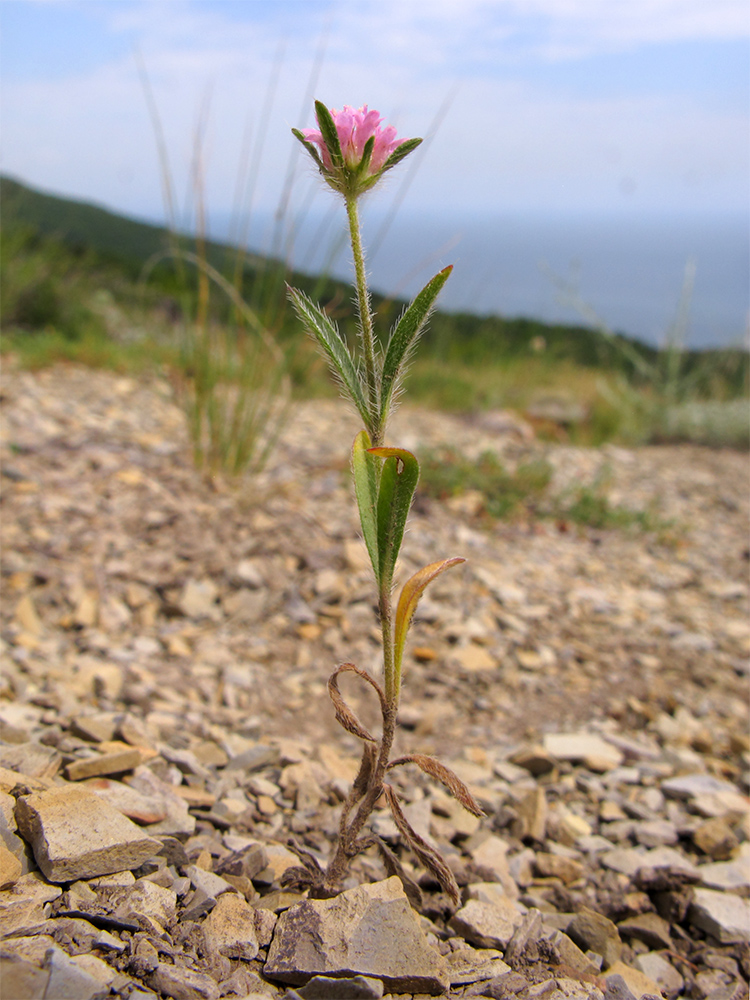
<point x="400" y="152"/>
<point x="337" y="352"/>
<point x="309" y="147"/>
<point x="329" y="133"/>
<point x="364" y="163"/>
<point x="365" y="467"/>
<point x="398" y="481"/>
<point x="404" y="337"/>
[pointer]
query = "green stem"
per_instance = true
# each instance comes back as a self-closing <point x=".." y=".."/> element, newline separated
<point x="365" y="317"/>
<point x="389" y="672"/>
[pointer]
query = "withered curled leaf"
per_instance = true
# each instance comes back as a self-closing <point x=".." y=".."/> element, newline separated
<point x="433" y="767"/>
<point x="429" y="857"/>
<point x="344" y="714"/>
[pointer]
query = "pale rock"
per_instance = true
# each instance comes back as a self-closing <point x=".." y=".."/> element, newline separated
<point x="198" y="599"/>
<point x="25" y="903"/>
<point x="595" y="932"/>
<point x="230" y="930"/>
<point x="11" y="868"/>
<point x="534" y="759"/>
<point x="715" y="838"/>
<point x="245" y="607"/>
<point x="70" y="978"/>
<point x="450" y="819"/>
<point x="248" y="573"/>
<point x="96" y="677"/>
<point x="570" y="954"/>
<point x="626" y="860"/>
<point x="485" y="892"/>
<point x="74" y="834"/>
<point x="140" y="808"/>
<point x="86" y="613"/>
<point x="549" y="865"/>
<point x="107" y="763"/>
<point x="27" y="617"/>
<point x="656" y="967"/>
<point x="279" y="859"/>
<point x="475" y="965"/>
<point x="329" y="988"/>
<point x="655" y="833"/>
<point x="688" y="786"/>
<point x="723" y="915"/>
<point x="150" y="903"/>
<point x="299" y="783"/>
<point x="571" y="828"/>
<point x="650" y="928"/>
<point x="487" y="925"/>
<point x="636" y="981"/>
<point x="22" y="980"/>
<point x="205" y="881"/>
<point x="265" y="924"/>
<point x="178" y="821"/>
<point x="475" y="659"/>
<point x="532" y="812"/>
<point x="732" y="876"/>
<point x="32" y="760"/>
<point x="492" y="853"/>
<point x="370" y="930"/>
<point x="583" y="748"/>
<point x="673" y="861"/>
<point x="183" y="984"/>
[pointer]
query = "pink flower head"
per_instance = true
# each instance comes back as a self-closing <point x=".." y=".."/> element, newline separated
<point x="350" y="170"/>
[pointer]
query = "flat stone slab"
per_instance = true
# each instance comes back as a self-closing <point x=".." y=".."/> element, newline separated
<point x="367" y="931"/>
<point x="723" y="915"/>
<point x="75" y="834"/>
<point x="583" y="748"/>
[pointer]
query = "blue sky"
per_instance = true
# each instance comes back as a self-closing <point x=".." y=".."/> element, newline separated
<point x="548" y="105"/>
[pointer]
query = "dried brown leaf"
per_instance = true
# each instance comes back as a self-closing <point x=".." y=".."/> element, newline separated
<point x="394" y="867"/>
<point x="344" y="714"/>
<point x="433" y="767"/>
<point x="427" y="854"/>
<point x="366" y="767"/>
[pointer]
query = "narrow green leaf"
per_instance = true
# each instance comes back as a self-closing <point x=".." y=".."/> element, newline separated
<point x="309" y="147"/>
<point x="398" y="481"/>
<point x="329" y="133"/>
<point x="404" y="336"/>
<point x="400" y="152"/>
<point x="337" y="352"/>
<point x="364" y="163"/>
<point x="366" y="474"/>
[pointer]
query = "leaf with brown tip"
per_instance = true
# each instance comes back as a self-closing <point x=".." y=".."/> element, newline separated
<point x="411" y="591"/>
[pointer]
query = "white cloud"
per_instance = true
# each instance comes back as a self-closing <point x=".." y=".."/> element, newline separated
<point x="503" y="142"/>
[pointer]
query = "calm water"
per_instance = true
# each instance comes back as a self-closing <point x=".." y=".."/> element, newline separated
<point x="629" y="269"/>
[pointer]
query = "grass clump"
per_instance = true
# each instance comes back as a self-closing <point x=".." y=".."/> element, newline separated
<point x="446" y="473"/>
<point x="526" y="492"/>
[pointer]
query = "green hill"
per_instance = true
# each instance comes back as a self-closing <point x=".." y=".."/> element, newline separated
<point x="59" y="254"/>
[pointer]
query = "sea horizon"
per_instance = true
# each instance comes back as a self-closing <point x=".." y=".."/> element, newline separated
<point x="629" y="268"/>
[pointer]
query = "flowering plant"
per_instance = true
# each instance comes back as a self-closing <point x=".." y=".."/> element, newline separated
<point x="352" y="153"/>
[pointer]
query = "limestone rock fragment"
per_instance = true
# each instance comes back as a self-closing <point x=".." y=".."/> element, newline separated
<point x="370" y="930"/>
<point x="74" y="834"/>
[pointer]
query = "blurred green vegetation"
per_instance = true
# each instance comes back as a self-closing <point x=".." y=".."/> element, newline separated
<point x="82" y="284"/>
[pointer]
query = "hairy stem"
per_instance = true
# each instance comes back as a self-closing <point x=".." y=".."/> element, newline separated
<point x="365" y="317"/>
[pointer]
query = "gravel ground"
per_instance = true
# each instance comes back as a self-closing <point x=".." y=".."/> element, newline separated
<point x="208" y="618"/>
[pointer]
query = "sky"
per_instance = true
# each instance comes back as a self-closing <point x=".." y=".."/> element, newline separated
<point x="577" y="106"/>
